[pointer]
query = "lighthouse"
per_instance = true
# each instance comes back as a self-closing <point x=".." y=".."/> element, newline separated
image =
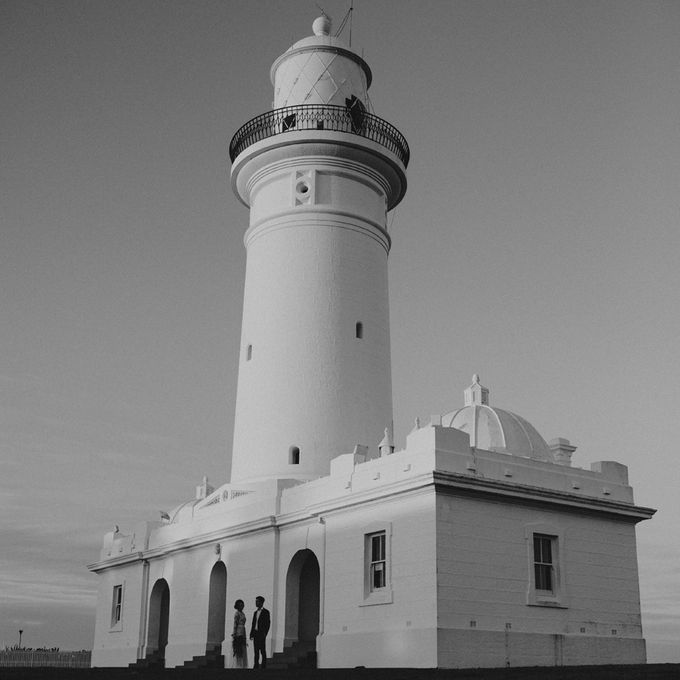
<point x="475" y="543"/>
<point x="319" y="173"/>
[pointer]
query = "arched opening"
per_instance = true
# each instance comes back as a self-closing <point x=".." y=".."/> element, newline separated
<point x="359" y="330"/>
<point x="302" y="600"/>
<point x="294" y="455"/>
<point x="159" y="619"/>
<point x="217" y="608"/>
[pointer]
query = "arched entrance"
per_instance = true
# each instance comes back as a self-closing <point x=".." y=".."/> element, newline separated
<point x="159" y="619"/>
<point x="217" y="608"/>
<point x="302" y="599"/>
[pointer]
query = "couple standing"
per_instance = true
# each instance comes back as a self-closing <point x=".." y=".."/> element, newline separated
<point x="258" y="634"/>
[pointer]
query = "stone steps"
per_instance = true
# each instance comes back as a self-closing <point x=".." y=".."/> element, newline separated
<point x="213" y="658"/>
<point x="299" y="655"/>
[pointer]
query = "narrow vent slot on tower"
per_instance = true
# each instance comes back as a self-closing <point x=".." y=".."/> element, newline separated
<point x="249" y="352"/>
<point x="293" y="455"/>
<point x="359" y="330"/>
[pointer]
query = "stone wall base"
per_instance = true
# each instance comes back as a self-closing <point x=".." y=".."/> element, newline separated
<point x="496" y="649"/>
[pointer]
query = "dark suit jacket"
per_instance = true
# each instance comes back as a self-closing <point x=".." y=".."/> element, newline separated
<point x="263" y="624"/>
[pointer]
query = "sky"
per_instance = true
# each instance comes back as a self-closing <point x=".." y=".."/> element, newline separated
<point x="537" y="245"/>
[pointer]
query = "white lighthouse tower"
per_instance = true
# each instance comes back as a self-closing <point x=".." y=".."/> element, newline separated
<point x="319" y="173"/>
<point x="477" y="544"/>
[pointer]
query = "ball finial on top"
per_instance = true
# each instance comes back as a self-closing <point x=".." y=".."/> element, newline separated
<point x="322" y="25"/>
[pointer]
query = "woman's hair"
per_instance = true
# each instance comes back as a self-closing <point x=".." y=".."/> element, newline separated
<point x="238" y="604"/>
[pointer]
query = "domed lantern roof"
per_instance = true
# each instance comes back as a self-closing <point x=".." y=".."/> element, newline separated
<point x="495" y="429"/>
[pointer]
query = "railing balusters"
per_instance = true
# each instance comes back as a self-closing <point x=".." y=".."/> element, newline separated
<point x="317" y="117"/>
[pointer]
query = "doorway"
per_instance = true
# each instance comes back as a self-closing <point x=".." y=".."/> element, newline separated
<point x="159" y="620"/>
<point x="302" y="599"/>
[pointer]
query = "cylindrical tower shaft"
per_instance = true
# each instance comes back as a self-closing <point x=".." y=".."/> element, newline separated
<point x="314" y="372"/>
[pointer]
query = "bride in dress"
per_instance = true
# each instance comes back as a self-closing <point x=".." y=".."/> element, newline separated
<point x="239" y="658"/>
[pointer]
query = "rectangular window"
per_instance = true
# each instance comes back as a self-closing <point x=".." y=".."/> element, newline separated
<point x="545" y="545"/>
<point x="117" y="605"/>
<point x="378" y="564"/>
<point x="544" y="570"/>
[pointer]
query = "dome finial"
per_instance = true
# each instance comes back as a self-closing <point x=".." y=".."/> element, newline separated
<point x="322" y="25"/>
<point x="476" y="393"/>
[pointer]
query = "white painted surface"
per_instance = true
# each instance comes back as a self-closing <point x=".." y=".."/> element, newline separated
<point x="458" y="552"/>
<point x="319" y="69"/>
<point x="309" y="389"/>
<point x="457" y="517"/>
<point x="310" y="382"/>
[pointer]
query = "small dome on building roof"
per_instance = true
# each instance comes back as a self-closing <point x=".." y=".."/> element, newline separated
<point x="495" y="429"/>
<point x="183" y="512"/>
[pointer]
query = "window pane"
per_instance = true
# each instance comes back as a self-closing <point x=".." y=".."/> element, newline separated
<point x="378" y="548"/>
<point x="543" y="574"/>
<point x="543" y="549"/>
<point x="537" y="549"/>
<point x="379" y="575"/>
<point x="547" y="550"/>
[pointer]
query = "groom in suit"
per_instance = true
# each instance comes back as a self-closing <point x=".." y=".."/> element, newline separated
<point x="258" y="632"/>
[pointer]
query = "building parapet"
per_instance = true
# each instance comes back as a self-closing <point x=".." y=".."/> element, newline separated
<point x="435" y="456"/>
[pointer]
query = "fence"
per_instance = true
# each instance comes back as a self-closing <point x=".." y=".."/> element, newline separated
<point x="35" y="658"/>
<point x="289" y="119"/>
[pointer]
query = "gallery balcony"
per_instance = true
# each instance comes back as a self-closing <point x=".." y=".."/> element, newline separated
<point x="351" y="120"/>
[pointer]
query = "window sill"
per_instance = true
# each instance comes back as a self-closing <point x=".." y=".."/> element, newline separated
<point x="536" y="600"/>
<point x="383" y="596"/>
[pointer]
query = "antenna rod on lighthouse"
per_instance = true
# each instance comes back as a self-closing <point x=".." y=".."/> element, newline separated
<point x="351" y="9"/>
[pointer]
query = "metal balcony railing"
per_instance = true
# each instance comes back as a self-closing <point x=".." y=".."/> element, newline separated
<point x="288" y="119"/>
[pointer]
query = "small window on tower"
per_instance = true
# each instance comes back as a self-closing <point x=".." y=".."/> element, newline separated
<point x="249" y="353"/>
<point x="359" y="330"/>
<point x="293" y="455"/>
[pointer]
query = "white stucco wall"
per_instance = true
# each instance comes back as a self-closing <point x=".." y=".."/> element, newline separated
<point x="117" y="645"/>
<point x="314" y="271"/>
<point x="484" y="564"/>
<point x="459" y="525"/>
<point x="397" y="628"/>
